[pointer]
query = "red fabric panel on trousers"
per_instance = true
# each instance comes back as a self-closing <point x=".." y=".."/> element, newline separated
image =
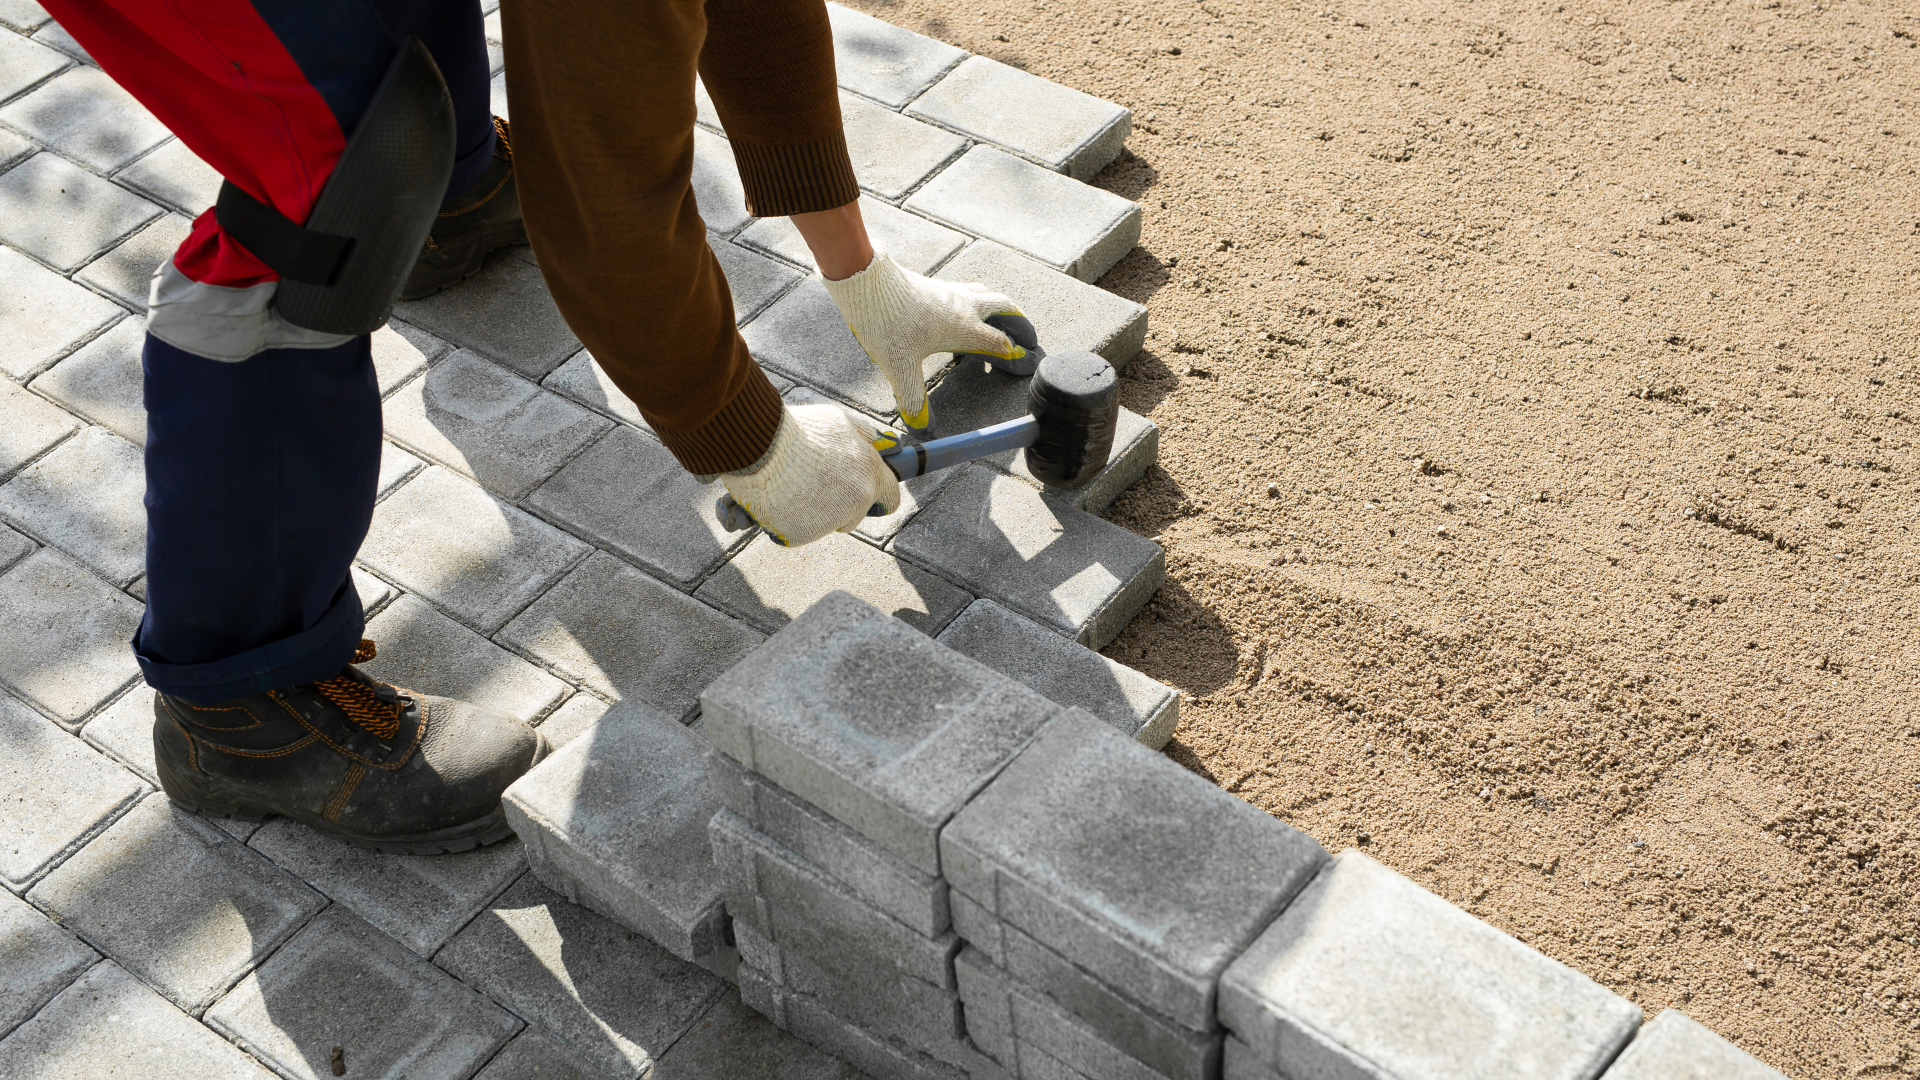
<point x="215" y="74"/>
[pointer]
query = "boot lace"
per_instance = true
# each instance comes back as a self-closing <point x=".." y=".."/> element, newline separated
<point x="504" y="132"/>
<point x="359" y="701"/>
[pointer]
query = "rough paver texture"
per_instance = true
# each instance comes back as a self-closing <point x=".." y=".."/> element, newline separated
<point x="32" y="427"/>
<point x="1368" y="974"/>
<point x="810" y="1019"/>
<point x="1138" y="707"/>
<point x="109" y="1024"/>
<point x="882" y="61"/>
<point x="1674" y="1047"/>
<point x="400" y="352"/>
<point x="617" y="820"/>
<point x="423" y="650"/>
<point x="63" y="644"/>
<point x="444" y="538"/>
<point x="124" y="732"/>
<point x="56" y="796"/>
<point x="803" y="337"/>
<point x="873" y="873"/>
<point x="885" y="1001"/>
<point x="624" y="634"/>
<point x="768" y="585"/>
<point x="628" y="494"/>
<point x="998" y="1002"/>
<point x="341" y="983"/>
<point x="86" y="116"/>
<point x="56" y="36"/>
<point x="571" y="720"/>
<point x="1076" y="314"/>
<point x="53" y="210"/>
<point x="892" y="153"/>
<point x="488" y="424"/>
<point x="125" y="272"/>
<point x="877" y="725"/>
<point x="24" y="62"/>
<point x="418" y="900"/>
<point x="1054" y="125"/>
<point x="614" y="997"/>
<point x="175" y="176"/>
<point x="799" y="906"/>
<point x="734" y="1042"/>
<point x="176" y="900"/>
<point x="915" y="494"/>
<point x="45" y="315"/>
<point x="753" y="279"/>
<point x="101" y="381"/>
<point x="397" y="466"/>
<point x="716" y="184"/>
<point x="504" y="313"/>
<point x="1149" y="877"/>
<point x="583" y="380"/>
<point x="1076" y="229"/>
<point x="86" y="498"/>
<point x="910" y="240"/>
<point x="999" y="537"/>
<point x="13" y="547"/>
<point x="39" y="957"/>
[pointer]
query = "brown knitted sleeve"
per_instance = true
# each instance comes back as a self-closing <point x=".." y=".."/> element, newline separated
<point x="768" y="65"/>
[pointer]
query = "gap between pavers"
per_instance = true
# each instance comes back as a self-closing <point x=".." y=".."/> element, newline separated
<point x="1054" y="126"/>
<point x="59" y="795"/>
<point x="109" y="1023"/>
<point x="1076" y="229"/>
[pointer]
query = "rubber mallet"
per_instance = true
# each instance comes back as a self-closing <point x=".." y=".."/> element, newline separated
<point x="1073" y="405"/>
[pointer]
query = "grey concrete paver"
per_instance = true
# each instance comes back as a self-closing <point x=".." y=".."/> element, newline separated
<point x="571" y="720"/>
<point x="911" y="240"/>
<point x="13" y="548"/>
<point x="1138" y="707"/>
<point x="57" y="795"/>
<point x="627" y="493"/>
<point x="23" y="16"/>
<point x="583" y="380"/>
<point x="488" y="424"/>
<point x="13" y="148"/>
<point x="400" y="352"/>
<point x="1154" y="912"/>
<point x="1240" y="1062"/>
<point x="803" y="337"/>
<point x="443" y="538"/>
<point x="397" y="466"/>
<point x="63" y="644"/>
<point x="882" y="61"/>
<point x="107" y="1023"/>
<point x="892" y="153"/>
<point x="1047" y="123"/>
<point x="421" y="901"/>
<point x="753" y="279"/>
<point x="102" y="381"/>
<point x="885" y="1001"/>
<point x="174" y="175"/>
<point x="1365" y="967"/>
<point x="704" y="112"/>
<point x="425" y="651"/>
<point x="999" y="537"/>
<point x="535" y="1055"/>
<point x="768" y="585"/>
<point x="342" y="984"/>
<point x="45" y="315"/>
<point x="625" y="634"/>
<point x="24" y="62"/>
<point x="617" y="820"/>
<point x="733" y="1042"/>
<point x="716" y="184"/>
<point x="40" y="958"/>
<point x="1033" y="1022"/>
<point x="86" y="116"/>
<point x="126" y="272"/>
<point x="877" y="726"/>
<point x="1076" y="229"/>
<point x="55" y="211"/>
<point x="86" y="498"/>
<point x="808" y="1018"/>
<point x="614" y="997"/>
<point x="124" y="732"/>
<point x="1673" y="1047"/>
<point x="55" y="36"/>
<point x="176" y="901"/>
<point x="504" y="313"/>
<point x="1067" y="313"/>
<point x="32" y="427"/>
<point x="914" y="495"/>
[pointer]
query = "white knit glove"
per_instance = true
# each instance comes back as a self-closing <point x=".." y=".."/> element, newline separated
<point x="901" y="318"/>
<point x="822" y="474"/>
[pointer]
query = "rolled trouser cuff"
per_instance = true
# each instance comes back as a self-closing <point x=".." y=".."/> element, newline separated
<point x="318" y="652"/>
<point x="733" y="438"/>
<point x="802" y="178"/>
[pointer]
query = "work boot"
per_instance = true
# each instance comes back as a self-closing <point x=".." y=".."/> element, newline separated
<point x="375" y="765"/>
<point x="471" y="225"/>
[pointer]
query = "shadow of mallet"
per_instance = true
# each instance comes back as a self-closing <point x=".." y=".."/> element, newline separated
<point x="1073" y="405"/>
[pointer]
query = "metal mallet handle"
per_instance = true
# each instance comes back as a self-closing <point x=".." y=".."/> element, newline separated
<point x="909" y="461"/>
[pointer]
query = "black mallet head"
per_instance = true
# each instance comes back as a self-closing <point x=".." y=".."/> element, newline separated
<point x="1075" y="396"/>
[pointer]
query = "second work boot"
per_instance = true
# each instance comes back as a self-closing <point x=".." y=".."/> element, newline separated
<point x="375" y="765"/>
<point x="471" y="225"/>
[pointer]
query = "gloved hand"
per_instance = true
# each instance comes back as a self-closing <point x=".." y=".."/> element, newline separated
<point x="901" y="318"/>
<point x="822" y="474"/>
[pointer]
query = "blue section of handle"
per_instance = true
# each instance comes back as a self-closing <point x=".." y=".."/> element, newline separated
<point x="908" y="462"/>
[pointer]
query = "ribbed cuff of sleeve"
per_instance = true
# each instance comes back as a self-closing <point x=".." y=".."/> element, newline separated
<point x="733" y="438"/>
<point x="797" y="179"/>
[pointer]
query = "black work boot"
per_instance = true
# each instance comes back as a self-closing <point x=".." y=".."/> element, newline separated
<point x="471" y="225"/>
<point x="377" y="766"/>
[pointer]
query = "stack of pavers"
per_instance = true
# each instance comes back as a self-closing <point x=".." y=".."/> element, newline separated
<point x="935" y="872"/>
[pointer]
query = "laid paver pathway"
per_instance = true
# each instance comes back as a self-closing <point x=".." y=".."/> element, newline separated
<point x="535" y="548"/>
